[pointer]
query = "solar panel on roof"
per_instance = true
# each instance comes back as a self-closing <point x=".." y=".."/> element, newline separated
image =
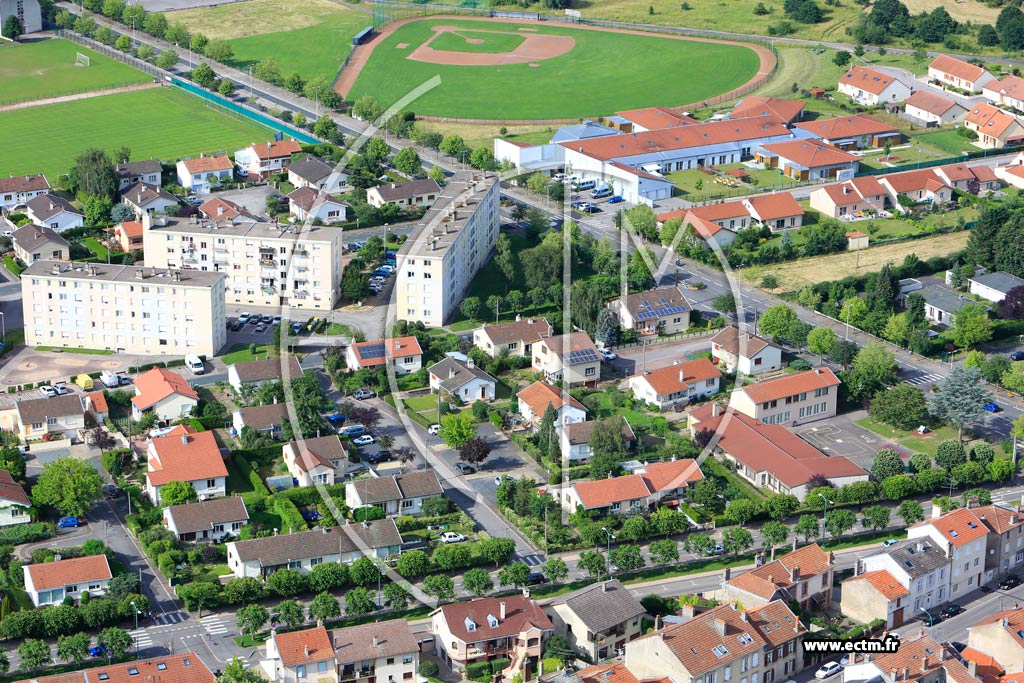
<point x="371" y="351"/>
<point x="582" y="356"/>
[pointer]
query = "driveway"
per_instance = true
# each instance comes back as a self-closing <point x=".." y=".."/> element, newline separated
<point x="27" y="365"/>
<point x="840" y="436"/>
<point x="655" y="356"/>
<point x="252" y="199"/>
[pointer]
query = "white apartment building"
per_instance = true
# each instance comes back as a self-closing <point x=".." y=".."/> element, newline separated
<point x="920" y="566"/>
<point x="128" y="309"/>
<point x="452" y="242"/>
<point x="963" y="537"/>
<point x="265" y="264"/>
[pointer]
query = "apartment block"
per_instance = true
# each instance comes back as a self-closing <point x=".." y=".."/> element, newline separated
<point x="265" y="264"/>
<point x="452" y="242"/>
<point x="128" y="309"/>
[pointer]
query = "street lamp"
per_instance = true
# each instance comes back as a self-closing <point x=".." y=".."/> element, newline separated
<point x="136" y="634"/>
<point x="3" y="328"/>
<point x="608" y="556"/>
<point x="824" y="512"/>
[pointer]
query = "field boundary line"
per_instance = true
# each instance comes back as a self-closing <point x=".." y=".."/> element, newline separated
<point x="78" y="96"/>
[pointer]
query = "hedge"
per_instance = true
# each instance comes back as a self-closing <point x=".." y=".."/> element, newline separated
<point x="478" y="671"/>
<point x="290" y="515"/>
<point x="26" y="533"/>
<point x="499" y="664"/>
<point x="258" y="485"/>
<point x="310" y="495"/>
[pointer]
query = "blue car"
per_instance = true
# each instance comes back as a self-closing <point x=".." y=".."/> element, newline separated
<point x="992" y="407"/>
<point x="98" y="651"/>
<point x="296" y="328"/>
<point x="380" y="272"/>
<point x="615" y="199"/>
<point x="68" y="522"/>
<point x="336" y="418"/>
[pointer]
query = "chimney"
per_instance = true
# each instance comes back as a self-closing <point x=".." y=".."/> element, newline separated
<point x="57" y="558"/>
<point x="376" y="641"/>
<point x="1006" y="622"/>
<point x="720" y="626"/>
<point x="657" y="622"/>
<point x="846" y="189"/>
<point x="604" y="587"/>
<point x="894" y="674"/>
<point x="147" y="221"/>
<point x="920" y="546"/>
<point x="501" y="608"/>
<point x="469" y="363"/>
<point x="518" y="317"/>
<point x="972" y="502"/>
<point x="794" y="574"/>
<point x="398" y="343"/>
<point x="184" y="439"/>
<point x="936" y="511"/>
<point x="924" y="664"/>
<point x="818" y="370"/>
<point x="906" y="672"/>
<point x="305" y="648"/>
<point x="972" y="668"/>
<point x="714" y="409"/>
<point x="451" y="373"/>
<point x="743" y="615"/>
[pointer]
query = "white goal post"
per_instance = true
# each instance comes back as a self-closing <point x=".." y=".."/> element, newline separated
<point x="81" y="60"/>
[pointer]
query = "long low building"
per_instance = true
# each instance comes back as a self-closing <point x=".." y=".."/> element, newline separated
<point x="127" y="309"/>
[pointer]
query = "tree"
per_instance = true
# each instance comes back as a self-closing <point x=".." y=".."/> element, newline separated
<point x="5" y="664"/>
<point x="326" y="128"/>
<point x="123" y="43"/>
<point x="593" y="563"/>
<point x="664" y="551"/>
<point x="668" y="521"/>
<point x="774" y="534"/>
<point x="267" y="69"/>
<point x="838" y="522"/>
<point x="960" y="398"/>
<point x="515" y="574"/>
<point x="807" y="526"/>
<point x="204" y="75"/>
<point x="777" y="320"/>
<point x="911" y="512"/>
<point x="366" y="108"/>
<point x="440" y="587"/>
<point x="477" y="582"/>
<point x="474" y="451"/>
<point x="740" y="510"/>
<point x="457" y="429"/>
<point x="436" y="173"/>
<point x="1012" y="306"/>
<point x="737" y="540"/>
<point x="971" y="326"/>
<point x="396" y="596"/>
<point x="452" y="145"/>
<point x="69" y="485"/>
<point x="497" y="550"/>
<point x="115" y="641"/>
<point x="874" y="368"/>
<point x="724" y="303"/>
<point x="887" y="463"/>
<point x="13" y="28"/>
<point x="554" y="568"/>
<point x="780" y="505"/>
<point x="167" y="58"/>
<point x="987" y="36"/>
<point x="412" y="564"/>
<point x="470" y="307"/>
<point x="875" y="517"/>
<point x="841" y="58"/>
<point x="363" y="572"/>
<point x="608" y="448"/>
<point x="707" y="494"/>
<point x="897" y="329"/>
<point x="325" y="606"/>
<point x="73" y="648"/>
<point x="219" y="51"/>
<point x="178" y="493"/>
<point x="901" y="406"/>
<point x="200" y="594"/>
<point x="408" y="162"/>
<point x="698" y="544"/>
<point x="34" y="654"/>
<point x="93" y="174"/>
<point x="898" y="487"/>
<point x="251" y="619"/>
<point x="235" y="672"/>
<point x="226" y="87"/>
<point x="483" y="158"/>
<point x="360" y="601"/>
<point x="1013" y="377"/>
<point x="627" y="557"/>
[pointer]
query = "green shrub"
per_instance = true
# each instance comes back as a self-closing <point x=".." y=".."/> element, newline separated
<point x="478" y="671"/>
<point x="290" y="515"/>
<point x="497" y="665"/>
<point x="428" y="669"/>
<point x="26" y="533"/>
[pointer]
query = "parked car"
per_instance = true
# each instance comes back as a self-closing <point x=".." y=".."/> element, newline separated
<point x="451" y="537"/>
<point x="244" y="318"/>
<point x="112" y="380"/>
<point x="951" y="610"/>
<point x="434" y="430"/>
<point x="590" y="208"/>
<point x="890" y="541"/>
<point x="111" y="491"/>
<point x="615" y="199"/>
<point x="364" y="440"/>
<point x="827" y="669"/>
<point x="717" y="549"/>
<point x="260" y="327"/>
<point x="68" y="522"/>
<point x="1017" y="355"/>
<point x="608" y="354"/>
<point x="276" y="320"/>
<point x="498" y="480"/>
<point x="236" y="325"/>
<point x="309" y="514"/>
<point x="255" y="318"/>
<point x="336" y="418"/>
<point x="48" y="392"/>
<point x="463" y="468"/>
<point x="1010" y="581"/>
<point x="61" y="388"/>
<point x="296" y="328"/>
<point x="193" y="200"/>
<point x="992" y="407"/>
<point x="352" y="430"/>
<point x="97" y="651"/>
<point x="361" y="394"/>
<point x="536" y="578"/>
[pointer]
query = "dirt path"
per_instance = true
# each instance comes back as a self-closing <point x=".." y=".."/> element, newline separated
<point x="361" y="54"/>
<point x="79" y="96"/>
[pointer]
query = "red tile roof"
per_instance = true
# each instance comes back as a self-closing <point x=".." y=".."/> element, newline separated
<point x="957" y="67"/>
<point x="675" y="378"/>
<point x="99" y="401"/>
<point x="729" y="341"/>
<point x="912" y="181"/>
<point x="521" y="614"/>
<point x="47" y="575"/>
<point x="539" y="395"/>
<point x="930" y="102"/>
<point x="656" y="118"/>
<point x="785" y="111"/>
<point x="884" y="583"/>
<point x="185" y="455"/>
<point x="721" y="212"/>
<point x="210" y="164"/>
<point x="790" y="385"/>
<point x="810" y="153"/>
<point x="276" y="149"/>
<point x="701" y="226"/>
<point x="769" y="207"/>
<point x="681" y="137"/>
<point x="846" y="127"/>
<point x="990" y="120"/>
<point x="999" y="519"/>
<point x="130" y="228"/>
<point x="222" y="209"/>
<point x="959" y="527"/>
<point x="603" y="492"/>
<point x="155" y="385"/>
<point x="868" y="80"/>
<point x="24" y="183"/>
<point x="671" y="475"/>
<point x="180" y="668"/>
<point x="1011" y="86"/>
<point x="302" y="647"/>
<point x="400" y="347"/>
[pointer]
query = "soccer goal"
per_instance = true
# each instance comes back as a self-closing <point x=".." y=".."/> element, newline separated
<point x="81" y="60"/>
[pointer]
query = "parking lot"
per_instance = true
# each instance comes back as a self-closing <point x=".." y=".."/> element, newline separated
<point x="840" y="436"/>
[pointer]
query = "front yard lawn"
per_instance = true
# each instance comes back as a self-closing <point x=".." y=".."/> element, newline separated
<point x="94" y="245"/>
<point x="421" y="403"/>
<point x="242" y="353"/>
<point x="237" y="481"/>
<point x="948" y="141"/>
<point x="910" y="440"/>
<point x="11" y="264"/>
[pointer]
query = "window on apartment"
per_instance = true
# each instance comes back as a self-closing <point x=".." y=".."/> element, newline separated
<point x="407" y="503"/>
<point x="210" y="483"/>
<point x="37" y="425"/>
<point x="300" y="671"/>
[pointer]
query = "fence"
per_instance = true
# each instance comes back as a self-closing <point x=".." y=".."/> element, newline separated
<point x="689" y="334"/>
<point x="965" y="156"/>
<point x="107" y="51"/>
<point x="4" y="102"/>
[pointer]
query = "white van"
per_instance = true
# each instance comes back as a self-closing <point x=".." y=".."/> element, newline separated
<point x="194" y="364"/>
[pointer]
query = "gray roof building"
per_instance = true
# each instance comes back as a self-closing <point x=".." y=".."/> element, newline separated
<point x="46" y="206"/>
<point x="202" y="516"/>
<point x="419" y="484"/>
<point x="579" y="432"/>
<point x="453" y="374"/>
<point x="602" y="606"/>
<point x="262" y="418"/>
<point x="311" y="169"/>
<point x="38" y="409"/>
<point x="944" y="299"/>
<point x="265" y="370"/>
<point x="918" y="556"/>
<point x="142" y="194"/>
<point x="999" y="281"/>
<point x="393" y="192"/>
<point x="351" y="538"/>
<point x="368" y="642"/>
<point x="29" y="237"/>
<point x="138" y="168"/>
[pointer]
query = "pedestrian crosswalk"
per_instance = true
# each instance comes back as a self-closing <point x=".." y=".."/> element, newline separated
<point x="925" y="378"/>
<point x="169" y="618"/>
<point x="215" y="624"/>
<point x="143" y="638"/>
<point x="532" y="560"/>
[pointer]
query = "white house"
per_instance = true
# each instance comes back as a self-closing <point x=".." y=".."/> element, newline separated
<point x="164" y="392"/>
<point x="149" y="199"/>
<point x="871" y="88"/>
<point x="745" y="353"/>
<point x="251" y="374"/>
<point x="305" y="203"/>
<point x="405" y="195"/>
<point x="14" y="502"/>
<point x="683" y="383"/>
<point x="994" y="286"/>
<point x="267" y="158"/>
<point x="462" y="378"/>
<point x="309" y="171"/>
<point x="402" y="353"/>
<point x="633" y="493"/>
<point x="918" y="565"/>
<point x="200" y="173"/>
<point x="575" y="438"/>
<point x="189" y="456"/>
<point x="658" y="311"/>
<point x="399" y="494"/>
<point x="941" y="304"/>
<point x="950" y="71"/>
<point x="1008" y="92"/>
<point x="535" y="399"/>
<point x="318" y="460"/>
<point x="269" y="419"/>
<point x="384" y="650"/>
<point x="60" y="416"/>
<point x="300" y="656"/>
<point x="207" y="520"/>
<point x="16" y="190"/>
<point x="517" y="338"/>
<point x="934" y="110"/>
<point x="53" y="212"/>
<point x="963" y="538"/>
<point x="48" y="583"/>
<point x="148" y="171"/>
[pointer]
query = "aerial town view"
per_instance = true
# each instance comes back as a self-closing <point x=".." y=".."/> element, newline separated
<point x="511" y="341"/>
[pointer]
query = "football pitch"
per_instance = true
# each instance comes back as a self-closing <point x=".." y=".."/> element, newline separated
<point x="162" y="123"/>
<point x="46" y="68"/>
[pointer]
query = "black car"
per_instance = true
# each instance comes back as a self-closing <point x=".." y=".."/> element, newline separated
<point x="1008" y="582"/>
<point x="1017" y="355"/>
<point x="379" y="456"/>
<point x="535" y="578"/>
<point x="951" y="610"/>
<point x="111" y="491"/>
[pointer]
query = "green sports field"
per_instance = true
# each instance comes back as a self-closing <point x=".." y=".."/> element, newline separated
<point x="33" y="71"/>
<point x="161" y="123"/>
<point x="603" y="72"/>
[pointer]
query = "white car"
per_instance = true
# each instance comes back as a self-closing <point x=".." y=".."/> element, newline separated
<point x="193" y="200"/>
<point x="434" y="430"/>
<point x="608" y="354"/>
<point x="451" y="537"/>
<point x="244" y="318"/>
<point x="361" y="394"/>
<point x="501" y="478"/>
<point x="827" y="669"/>
<point x="48" y="392"/>
<point x="261" y="327"/>
<point x="242" y="171"/>
<point x="364" y="440"/>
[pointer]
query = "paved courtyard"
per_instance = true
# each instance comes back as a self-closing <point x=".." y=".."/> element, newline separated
<point x="840" y="436"/>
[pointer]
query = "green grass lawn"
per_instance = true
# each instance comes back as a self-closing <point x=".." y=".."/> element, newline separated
<point x="11" y="264"/>
<point x="336" y="329"/>
<point x="237" y="482"/>
<point x="909" y="439"/>
<point x="421" y="403"/>
<point x="33" y="71"/>
<point x="609" y="72"/>
<point x="240" y="353"/>
<point x="212" y="572"/>
<point x="76" y="349"/>
<point x="94" y="245"/>
<point x="267" y="520"/>
<point x="948" y="141"/>
<point x="162" y="123"/>
<point x="489" y="41"/>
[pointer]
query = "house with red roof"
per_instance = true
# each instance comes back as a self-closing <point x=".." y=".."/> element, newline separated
<point x="650" y="118"/>
<point x="852" y="132"/>
<point x="220" y="209"/>
<point x="300" y="656"/>
<point x="777" y="211"/>
<point x="403" y="354"/>
<point x="535" y="399"/>
<point x="995" y="641"/>
<point x="963" y="537"/>
<point x="995" y="128"/>
<point x="770" y="456"/>
<point x="641" y="491"/>
<point x="871" y="87"/>
<point x="803" y="576"/>
<point x="875" y="595"/>
<point x="163" y="392"/>
<point x="184" y="667"/>
<point x="854" y="198"/>
<point x="921" y="186"/>
<point x="512" y="627"/>
<point x="933" y="109"/>
<point x="266" y="158"/>
<point x="786" y="111"/>
<point x="129" y="235"/>
<point x="49" y="583"/>
<point x="919" y="659"/>
<point x="15" y="190"/>
<point x="1007" y="92"/>
<point x="707" y="231"/>
<point x="656" y="311"/>
<point x="973" y="179"/>
<point x="677" y="384"/>
<point x="790" y="399"/>
<point x="186" y="455"/>
<point x="950" y="71"/>
<point x="807" y="159"/>
<point x="201" y="173"/>
<point x="318" y="460"/>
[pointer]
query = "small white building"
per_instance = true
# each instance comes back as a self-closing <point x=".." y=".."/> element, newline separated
<point x="189" y="456"/>
<point x="48" y="583"/>
<point x="380" y="651"/>
<point x="399" y="494"/>
<point x="149" y="199"/>
<point x="54" y="212"/>
<point x="16" y="190"/>
<point x="404" y="195"/>
<point x="148" y="171"/>
<point x="207" y="521"/>
<point x="199" y="174"/>
<point x="266" y="158"/>
<point x="962" y="537"/>
<point x="950" y="71"/>
<point x="300" y="657"/>
<point x="575" y="439"/>
<point x="60" y="416"/>
<point x="517" y="338"/>
<point x="934" y="110"/>
<point x="251" y="374"/>
<point x="319" y="460"/>
<point x="535" y="399"/>
<point x="462" y="378"/>
<point x="164" y="392"/>
<point x="658" y="311"/>
<point x="1008" y="92"/>
<point x="14" y="502"/>
<point x="994" y="286"/>
<point x="309" y="171"/>
<point x="870" y="87"/>
<point x="305" y="203"/>
<point x="402" y="353"/>
<point x="677" y="384"/>
<point x="745" y="353"/>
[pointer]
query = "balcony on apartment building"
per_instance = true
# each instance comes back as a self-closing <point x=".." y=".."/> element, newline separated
<point x="363" y="673"/>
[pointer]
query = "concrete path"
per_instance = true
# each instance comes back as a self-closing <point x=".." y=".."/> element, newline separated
<point x="78" y="96"/>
